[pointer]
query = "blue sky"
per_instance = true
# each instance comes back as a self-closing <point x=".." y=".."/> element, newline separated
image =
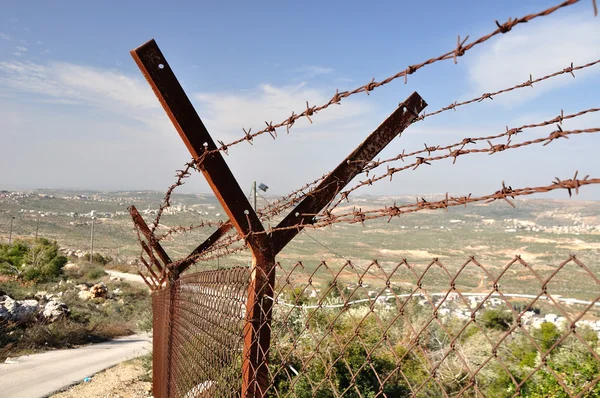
<point x="75" y="111"/>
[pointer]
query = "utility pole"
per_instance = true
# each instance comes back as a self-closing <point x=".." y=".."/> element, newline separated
<point x="92" y="241"/>
<point x="37" y="225"/>
<point x="10" y="231"/>
<point x="254" y="193"/>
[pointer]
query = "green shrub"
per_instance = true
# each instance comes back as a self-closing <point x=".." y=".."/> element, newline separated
<point x="497" y="319"/>
<point x="93" y="272"/>
<point x="42" y="262"/>
<point x="13" y="254"/>
<point x="97" y="258"/>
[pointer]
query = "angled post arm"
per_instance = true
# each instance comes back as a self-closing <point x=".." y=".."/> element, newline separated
<point x="257" y="331"/>
<point x="349" y="168"/>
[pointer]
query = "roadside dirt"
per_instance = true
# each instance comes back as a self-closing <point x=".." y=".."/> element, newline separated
<point x="121" y="381"/>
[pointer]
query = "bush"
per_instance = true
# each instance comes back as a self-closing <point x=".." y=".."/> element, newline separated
<point x="41" y="262"/>
<point x="497" y="319"/>
<point x="97" y="258"/>
<point x="93" y="273"/>
<point x="147" y="366"/>
<point x="13" y="254"/>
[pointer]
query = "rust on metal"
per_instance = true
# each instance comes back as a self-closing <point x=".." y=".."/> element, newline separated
<point x="141" y="224"/>
<point x="198" y="141"/>
<point x="399" y="120"/>
<point x="153" y="259"/>
<point x="155" y="278"/>
<point x="211" y="240"/>
<point x="152" y="286"/>
<point x="194" y="134"/>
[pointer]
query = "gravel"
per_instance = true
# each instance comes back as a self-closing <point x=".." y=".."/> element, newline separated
<point x="121" y="381"/>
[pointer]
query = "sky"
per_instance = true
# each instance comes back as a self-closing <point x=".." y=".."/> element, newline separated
<point x="75" y="111"/>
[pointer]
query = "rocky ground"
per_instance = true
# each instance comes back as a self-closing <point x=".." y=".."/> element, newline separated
<point x="126" y="380"/>
<point x="45" y="306"/>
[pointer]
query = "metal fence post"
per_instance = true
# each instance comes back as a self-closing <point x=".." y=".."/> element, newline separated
<point x="264" y="247"/>
<point x="257" y="327"/>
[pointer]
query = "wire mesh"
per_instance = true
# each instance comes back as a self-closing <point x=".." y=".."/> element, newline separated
<point x="392" y="330"/>
<point x="371" y="329"/>
<point x="200" y="354"/>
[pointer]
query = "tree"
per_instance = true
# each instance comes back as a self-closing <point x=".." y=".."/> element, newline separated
<point x="42" y="262"/>
<point x="497" y="319"/>
<point x="546" y="335"/>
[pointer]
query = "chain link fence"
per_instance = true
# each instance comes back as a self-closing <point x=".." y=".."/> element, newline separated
<point x="198" y="323"/>
<point x="370" y="329"/>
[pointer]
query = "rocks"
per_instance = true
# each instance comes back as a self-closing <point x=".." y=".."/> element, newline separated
<point x="69" y="265"/>
<point x="17" y="311"/>
<point x="23" y="311"/>
<point x="55" y="310"/>
<point x="82" y="287"/>
<point x="43" y="295"/>
<point x="99" y="290"/>
<point x="67" y="283"/>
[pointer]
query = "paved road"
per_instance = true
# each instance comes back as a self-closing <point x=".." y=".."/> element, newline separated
<point x="126" y="276"/>
<point x="39" y="375"/>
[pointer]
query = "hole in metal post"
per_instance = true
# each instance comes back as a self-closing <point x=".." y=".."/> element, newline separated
<point x="246" y="212"/>
<point x="161" y="66"/>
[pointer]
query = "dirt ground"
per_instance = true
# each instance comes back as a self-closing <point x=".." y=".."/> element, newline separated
<point x="121" y="381"/>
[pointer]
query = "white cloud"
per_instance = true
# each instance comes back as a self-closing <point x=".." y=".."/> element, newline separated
<point x="145" y="153"/>
<point x="538" y="49"/>
<point x="21" y="49"/>
<point x="18" y="54"/>
<point x="69" y="84"/>
<point x="229" y="112"/>
<point x="4" y="36"/>
<point x="313" y="70"/>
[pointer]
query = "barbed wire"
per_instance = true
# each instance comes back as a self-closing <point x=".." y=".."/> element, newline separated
<point x="459" y="51"/>
<point x="421" y="204"/>
<point x="529" y="83"/>
<point x="222" y="248"/>
<point x="297" y="195"/>
<point x="458" y="149"/>
<point x="184" y="229"/>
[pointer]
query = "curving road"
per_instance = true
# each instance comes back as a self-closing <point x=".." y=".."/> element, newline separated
<point x="39" y="375"/>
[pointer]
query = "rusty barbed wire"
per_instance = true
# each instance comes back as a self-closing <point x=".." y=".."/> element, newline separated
<point x="360" y="216"/>
<point x="459" y="51"/>
<point x="181" y="176"/>
<point x="458" y="149"/>
<point x="190" y="228"/>
<point x="529" y="83"/>
<point x="295" y="196"/>
<point x="336" y="99"/>
<point x="421" y="204"/>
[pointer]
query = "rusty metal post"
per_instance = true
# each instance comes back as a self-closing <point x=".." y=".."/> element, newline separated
<point x="194" y="134"/>
<point x="257" y="326"/>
